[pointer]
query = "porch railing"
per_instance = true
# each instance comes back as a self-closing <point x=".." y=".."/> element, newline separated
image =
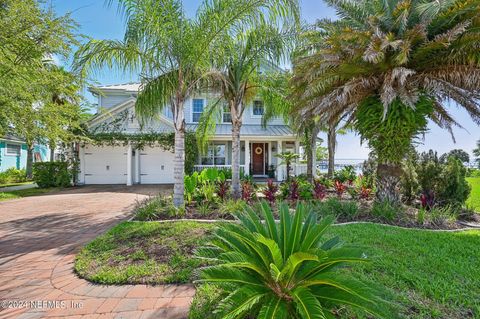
<point x="199" y="168"/>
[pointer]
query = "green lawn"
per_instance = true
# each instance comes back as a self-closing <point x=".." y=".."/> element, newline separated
<point x="431" y="274"/>
<point x="24" y="193"/>
<point x="474" y="199"/>
<point x="142" y="252"/>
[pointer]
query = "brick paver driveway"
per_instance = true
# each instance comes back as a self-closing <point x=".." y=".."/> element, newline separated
<point x="39" y="237"/>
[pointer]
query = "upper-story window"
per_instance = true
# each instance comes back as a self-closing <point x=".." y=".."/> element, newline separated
<point x="226" y="116"/>
<point x="258" y="108"/>
<point x="13" y="150"/>
<point x="197" y="109"/>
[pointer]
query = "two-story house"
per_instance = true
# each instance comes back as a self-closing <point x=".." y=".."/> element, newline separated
<point x="150" y="165"/>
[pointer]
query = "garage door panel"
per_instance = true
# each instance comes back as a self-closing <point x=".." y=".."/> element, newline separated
<point x="156" y="166"/>
<point x="105" y="165"/>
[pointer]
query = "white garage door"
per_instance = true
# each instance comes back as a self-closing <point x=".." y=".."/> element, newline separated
<point x="156" y="166"/>
<point x="105" y="165"/>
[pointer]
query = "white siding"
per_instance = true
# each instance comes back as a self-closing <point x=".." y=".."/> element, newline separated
<point x="109" y="100"/>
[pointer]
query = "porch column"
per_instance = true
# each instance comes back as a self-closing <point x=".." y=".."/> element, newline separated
<point x="297" y="161"/>
<point x="129" y="164"/>
<point x="137" y="166"/>
<point x="247" y="157"/>
<point x="269" y="153"/>
<point x="279" y="168"/>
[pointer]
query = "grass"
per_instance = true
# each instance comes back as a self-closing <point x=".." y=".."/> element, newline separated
<point x="429" y="274"/>
<point x="15" y="184"/>
<point x="474" y="199"/>
<point x="432" y="274"/>
<point x="25" y="193"/>
<point x="142" y="252"/>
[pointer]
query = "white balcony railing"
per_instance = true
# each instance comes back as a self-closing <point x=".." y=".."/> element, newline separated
<point x="199" y="168"/>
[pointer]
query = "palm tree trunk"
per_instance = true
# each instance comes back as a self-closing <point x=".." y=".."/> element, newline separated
<point x="311" y="151"/>
<point x="331" y="137"/>
<point x="388" y="183"/>
<point x="236" y="126"/>
<point x="29" y="167"/>
<point x="179" y="159"/>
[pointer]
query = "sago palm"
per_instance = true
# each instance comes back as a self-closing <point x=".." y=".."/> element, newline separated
<point x="398" y="52"/>
<point x="284" y="270"/>
<point x="171" y="53"/>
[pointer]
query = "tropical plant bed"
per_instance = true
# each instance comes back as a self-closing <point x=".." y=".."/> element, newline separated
<point x="143" y="253"/>
<point x="344" y="209"/>
<point x="428" y="274"/>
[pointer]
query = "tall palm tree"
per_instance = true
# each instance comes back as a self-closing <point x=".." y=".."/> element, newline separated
<point x="402" y="53"/>
<point x="237" y="74"/>
<point x="171" y="52"/>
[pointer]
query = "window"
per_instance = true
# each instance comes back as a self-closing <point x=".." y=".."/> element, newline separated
<point x="197" y="110"/>
<point x="13" y="149"/>
<point x="227" y="116"/>
<point x="258" y="108"/>
<point x="215" y="155"/>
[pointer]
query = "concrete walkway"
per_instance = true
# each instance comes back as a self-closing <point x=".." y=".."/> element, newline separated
<point x="39" y="237"/>
<point x="17" y="187"/>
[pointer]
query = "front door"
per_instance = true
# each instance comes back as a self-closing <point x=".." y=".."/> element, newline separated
<point x="258" y="159"/>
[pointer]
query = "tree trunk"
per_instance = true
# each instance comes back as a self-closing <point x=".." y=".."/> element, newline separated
<point x="236" y="126"/>
<point x="179" y="159"/>
<point x="52" y="153"/>
<point x="388" y="183"/>
<point x="312" y="156"/>
<point x="331" y="136"/>
<point x="29" y="168"/>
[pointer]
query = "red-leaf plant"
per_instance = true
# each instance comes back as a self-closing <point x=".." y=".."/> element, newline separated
<point x="270" y="191"/>
<point x="319" y="190"/>
<point x="293" y="193"/>
<point x="247" y="192"/>
<point x="340" y="188"/>
<point x="365" y="192"/>
<point x="223" y="187"/>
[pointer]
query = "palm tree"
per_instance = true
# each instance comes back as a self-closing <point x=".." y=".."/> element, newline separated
<point x="238" y="76"/>
<point x="171" y="52"/>
<point x="401" y="53"/>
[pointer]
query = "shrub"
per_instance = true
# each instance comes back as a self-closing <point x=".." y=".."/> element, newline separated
<point x="385" y="211"/>
<point x="52" y="174"/>
<point x="341" y="209"/>
<point x="158" y="207"/>
<point x="319" y="190"/>
<point x="191" y="182"/>
<point x="285" y="270"/>
<point x="346" y="174"/>
<point x="248" y="191"/>
<point x="230" y="207"/>
<point x="223" y="189"/>
<point x="453" y="188"/>
<point x="270" y="191"/>
<point x="427" y="199"/>
<point x="340" y="188"/>
<point x="365" y="193"/>
<point x="13" y="175"/>
<point x="473" y="172"/>
<point x="441" y="216"/>
<point x="305" y="190"/>
<point x="293" y="193"/>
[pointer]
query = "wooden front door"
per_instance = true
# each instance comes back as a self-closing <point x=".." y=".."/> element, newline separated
<point x="258" y="159"/>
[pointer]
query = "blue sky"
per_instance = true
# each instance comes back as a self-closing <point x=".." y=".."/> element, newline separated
<point x="101" y="22"/>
